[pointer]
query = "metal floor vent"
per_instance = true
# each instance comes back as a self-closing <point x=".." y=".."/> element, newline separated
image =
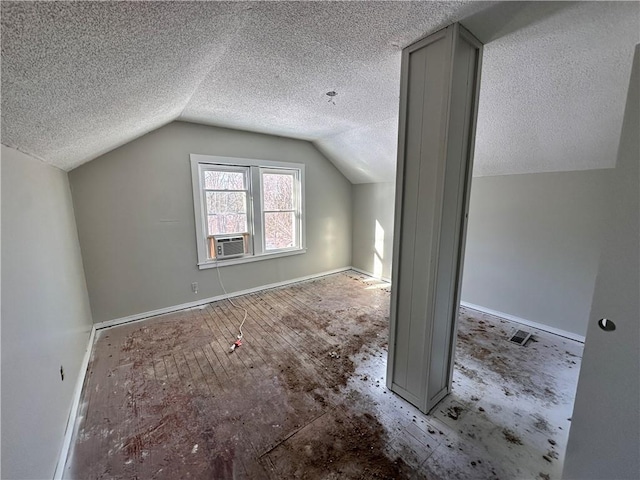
<point x="520" y="337"/>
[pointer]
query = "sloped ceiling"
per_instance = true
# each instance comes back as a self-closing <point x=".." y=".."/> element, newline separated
<point x="79" y="79"/>
<point x="553" y="92"/>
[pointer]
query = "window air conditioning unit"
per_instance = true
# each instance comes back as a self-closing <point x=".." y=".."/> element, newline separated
<point x="229" y="247"/>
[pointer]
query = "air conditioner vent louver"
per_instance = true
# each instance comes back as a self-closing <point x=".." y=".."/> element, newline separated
<point x="520" y="337"/>
<point x="227" y="247"/>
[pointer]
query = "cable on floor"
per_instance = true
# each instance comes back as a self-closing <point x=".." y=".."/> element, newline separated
<point x="238" y="342"/>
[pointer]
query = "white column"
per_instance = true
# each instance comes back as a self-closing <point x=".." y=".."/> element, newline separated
<point x="438" y="108"/>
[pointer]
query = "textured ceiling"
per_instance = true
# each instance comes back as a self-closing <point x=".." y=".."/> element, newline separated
<point x="553" y="92"/>
<point x="79" y="79"/>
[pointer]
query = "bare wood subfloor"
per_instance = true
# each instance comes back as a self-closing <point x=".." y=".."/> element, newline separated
<point x="303" y="397"/>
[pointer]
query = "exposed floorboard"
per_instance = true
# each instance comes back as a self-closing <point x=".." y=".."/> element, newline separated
<point x="305" y="397"/>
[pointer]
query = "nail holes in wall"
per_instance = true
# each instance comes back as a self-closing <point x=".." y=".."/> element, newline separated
<point x="606" y="325"/>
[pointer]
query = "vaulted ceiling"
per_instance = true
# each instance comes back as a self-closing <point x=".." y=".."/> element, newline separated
<point x="81" y="78"/>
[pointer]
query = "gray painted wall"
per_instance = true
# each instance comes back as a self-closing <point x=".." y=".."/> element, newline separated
<point x="373" y="205"/>
<point x="533" y="245"/>
<point x="45" y="314"/>
<point x="134" y="210"/>
<point x="533" y="242"/>
<point x="604" y="440"/>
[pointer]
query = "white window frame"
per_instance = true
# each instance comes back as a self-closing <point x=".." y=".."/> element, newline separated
<point x="246" y="171"/>
<point x="297" y="193"/>
<point x="255" y="213"/>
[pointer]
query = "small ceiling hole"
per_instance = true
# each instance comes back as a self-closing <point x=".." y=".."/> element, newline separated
<point x="606" y="325"/>
<point x="332" y="93"/>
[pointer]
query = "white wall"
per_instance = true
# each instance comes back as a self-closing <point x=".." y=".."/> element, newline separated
<point x="372" y="248"/>
<point x="134" y="210"/>
<point x="533" y="245"/>
<point x="45" y="314"/>
<point x="604" y="440"/>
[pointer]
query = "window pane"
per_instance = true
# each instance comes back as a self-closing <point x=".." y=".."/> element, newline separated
<point x="277" y="191"/>
<point x="226" y="223"/>
<point x="226" y="202"/>
<point x="222" y="180"/>
<point x="279" y="230"/>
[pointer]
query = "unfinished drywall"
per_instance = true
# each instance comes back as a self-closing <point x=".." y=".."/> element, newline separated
<point x="605" y="430"/>
<point x="134" y="209"/>
<point x="372" y="213"/>
<point x="46" y="318"/>
<point x="533" y="245"/>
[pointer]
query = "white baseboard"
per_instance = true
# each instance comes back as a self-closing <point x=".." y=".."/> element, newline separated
<point x="66" y="445"/>
<point x="529" y="323"/>
<point x="73" y="414"/>
<point x="204" y="301"/>
<point x="75" y="405"/>
<point x="378" y="277"/>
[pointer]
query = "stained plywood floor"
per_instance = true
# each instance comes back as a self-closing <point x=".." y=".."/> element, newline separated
<point x="304" y="396"/>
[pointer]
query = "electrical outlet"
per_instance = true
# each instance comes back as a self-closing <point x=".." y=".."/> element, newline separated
<point x="61" y="373"/>
<point x="194" y="287"/>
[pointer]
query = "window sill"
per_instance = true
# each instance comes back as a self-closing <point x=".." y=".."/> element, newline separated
<point x="250" y="258"/>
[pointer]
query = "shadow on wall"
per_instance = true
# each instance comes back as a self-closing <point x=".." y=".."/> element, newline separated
<point x="373" y="211"/>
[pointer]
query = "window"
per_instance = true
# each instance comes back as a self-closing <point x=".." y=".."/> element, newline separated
<point x="246" y="210"/>
<point x="279" y="208"/>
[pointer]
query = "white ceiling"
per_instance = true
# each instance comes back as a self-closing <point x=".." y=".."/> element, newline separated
<point x="79" y="79"/>
<point x="553" y="92"/>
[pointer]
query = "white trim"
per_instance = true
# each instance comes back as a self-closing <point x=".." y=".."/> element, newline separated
<point x="250" y="258"/>
<point x="529" y="323"/>
<point x="73" y="413"/>
<point x="71" y="421"/>
<point x="377" y="277"/>
<point x="255" y="221"/>
<point x="82" y="375"/>
<point x="297" y="204"/>
<point x="241" y="161"/>
<point x="197" y="303"/>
